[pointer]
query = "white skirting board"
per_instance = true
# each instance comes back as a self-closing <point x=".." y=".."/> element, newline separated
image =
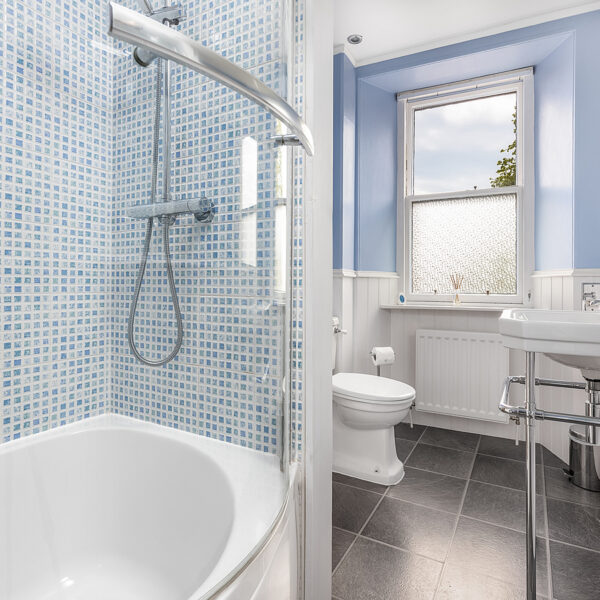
<point x="460" y="373"/>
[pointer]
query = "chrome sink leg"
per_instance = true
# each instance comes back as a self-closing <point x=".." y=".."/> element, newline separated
<point x="530" y="458"/>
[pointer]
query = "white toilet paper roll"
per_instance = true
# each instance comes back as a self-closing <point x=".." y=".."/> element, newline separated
<point x="382" y="355"/>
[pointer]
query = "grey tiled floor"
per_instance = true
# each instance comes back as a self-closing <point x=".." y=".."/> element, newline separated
<point x="453" y="528"/>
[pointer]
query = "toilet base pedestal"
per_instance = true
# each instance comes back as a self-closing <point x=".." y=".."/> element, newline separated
<point x="368" y="454"/>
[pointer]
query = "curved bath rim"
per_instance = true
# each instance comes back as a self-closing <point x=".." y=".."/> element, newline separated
<point x="259" y="548"/>
<point x="103" y="466"/>
<point x="142" y="31"/>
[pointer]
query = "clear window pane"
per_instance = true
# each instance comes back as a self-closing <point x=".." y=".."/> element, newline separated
<point x="466" y="145"/>
<point x="472" y="237"/>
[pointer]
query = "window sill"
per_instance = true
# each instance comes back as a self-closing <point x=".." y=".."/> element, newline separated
<point x="450" y="307"/>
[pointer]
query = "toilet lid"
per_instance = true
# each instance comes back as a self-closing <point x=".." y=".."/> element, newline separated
<point x="371" y="388"/>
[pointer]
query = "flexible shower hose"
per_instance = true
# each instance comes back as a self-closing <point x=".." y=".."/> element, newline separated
<point x="166" y="223"/>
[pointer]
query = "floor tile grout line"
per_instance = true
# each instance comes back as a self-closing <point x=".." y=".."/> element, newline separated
<point x="345" y="554"/>
<point x="405" y="550"/>
<point x="408" y="455"/>
<point x="362" y="489"/>
<point x="436" y="473"/>
<point x="413" y="503"/>
<point x="399" y="437"/>
<point x="460" y="507"/>
<point x="449" y="512"/>
<point x="371" y="515"/>
<point x="438" y="445"/>
<point x="551" y="539"/>
<point x="501" y="526"/>
<point x="520" y="531"/>
<point x="592" y="506"/>
<point x="448" y="448"/>
<point x="357" y="535"/>
<point x="506" y="487"/>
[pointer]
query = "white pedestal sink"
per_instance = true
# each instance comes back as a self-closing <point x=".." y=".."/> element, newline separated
<point x="573" y="339"/>
<point x="569" y="337"/>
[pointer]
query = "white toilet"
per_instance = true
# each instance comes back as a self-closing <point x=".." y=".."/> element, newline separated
<point x="365" y="410"/>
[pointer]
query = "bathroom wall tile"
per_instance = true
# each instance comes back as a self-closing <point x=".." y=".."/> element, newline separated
<point x="352" y="506"/>
<point x="446" y="438"/>
<point x="377" y="572"/>
<point x="421" y="530"/>
<point x="430" y="489"/>
<point x="75" y="152"/>
<point x="234" y="320"/>
<point x="441" y="460"/>
<point x="56" y="182"/>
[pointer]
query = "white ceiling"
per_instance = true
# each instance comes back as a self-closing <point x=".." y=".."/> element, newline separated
<point x="392" y="28"/>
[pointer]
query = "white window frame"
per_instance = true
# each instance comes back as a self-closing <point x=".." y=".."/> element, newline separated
<point x="520" y="82"/>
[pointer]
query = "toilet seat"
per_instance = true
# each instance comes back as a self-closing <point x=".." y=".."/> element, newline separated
<point x="370" y="389"/>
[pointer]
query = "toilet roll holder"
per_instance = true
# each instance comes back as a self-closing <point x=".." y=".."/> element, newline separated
<point x="373" y="356"/>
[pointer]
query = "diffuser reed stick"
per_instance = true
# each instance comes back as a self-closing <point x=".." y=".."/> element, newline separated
<point x="457" y="280"/>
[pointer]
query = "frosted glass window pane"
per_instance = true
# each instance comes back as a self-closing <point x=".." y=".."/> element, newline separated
<point x="474" y="237"/>
<point x="458" y="146"/>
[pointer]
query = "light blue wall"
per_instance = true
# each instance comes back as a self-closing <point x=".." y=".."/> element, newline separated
<point x="564" y="54"/>
<point x="554" y="159"/>
<point x="344" y="127"/>
<point x="376" y="150"/>
<point x="587" y="143"/>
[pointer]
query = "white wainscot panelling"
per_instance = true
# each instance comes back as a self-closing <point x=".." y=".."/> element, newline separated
<point x="559" y="290"/>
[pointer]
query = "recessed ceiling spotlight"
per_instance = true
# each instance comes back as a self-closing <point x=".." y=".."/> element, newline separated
<point x="355" y="38"/>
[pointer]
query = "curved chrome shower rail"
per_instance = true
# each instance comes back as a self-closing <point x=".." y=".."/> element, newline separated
<point x="139" y="30"/>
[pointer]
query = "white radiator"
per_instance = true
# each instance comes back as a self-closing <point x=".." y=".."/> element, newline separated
<point x="460" y="373"/>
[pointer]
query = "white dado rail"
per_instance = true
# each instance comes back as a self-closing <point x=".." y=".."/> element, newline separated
<point x="366" y="303"/>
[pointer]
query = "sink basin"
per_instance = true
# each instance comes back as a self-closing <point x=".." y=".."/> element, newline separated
<point x="571" y="338"/>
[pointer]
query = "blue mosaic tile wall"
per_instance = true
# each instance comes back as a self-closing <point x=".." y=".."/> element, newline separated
<point x="55" y="202"/>
<point x="226" y="381"/>
<point x="76" y="118"/>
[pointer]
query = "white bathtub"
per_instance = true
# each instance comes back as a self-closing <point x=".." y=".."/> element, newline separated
<point x="113" y="508"/>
